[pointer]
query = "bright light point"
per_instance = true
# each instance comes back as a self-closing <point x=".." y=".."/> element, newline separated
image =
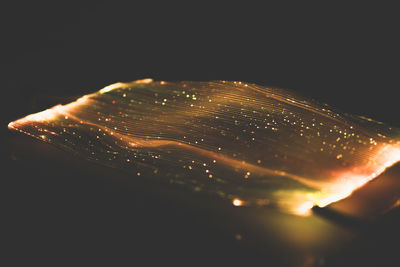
<point x="304" y="209"/>
<point x="147" y="80"/>
<point x="237" y="202"/>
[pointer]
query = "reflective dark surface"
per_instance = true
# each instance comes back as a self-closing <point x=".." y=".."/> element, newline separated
<point x="61" y="209"/>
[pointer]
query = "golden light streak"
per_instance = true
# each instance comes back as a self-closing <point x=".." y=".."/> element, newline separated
<point x="111" y="87"/>
<point x="119" y="85"/>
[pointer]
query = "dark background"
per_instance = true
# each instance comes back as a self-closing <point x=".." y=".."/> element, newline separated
<point x="51" y="52"/>
<point x="346" y="55"/>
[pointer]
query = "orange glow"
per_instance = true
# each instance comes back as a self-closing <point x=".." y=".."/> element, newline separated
<point x="237" y="202"/>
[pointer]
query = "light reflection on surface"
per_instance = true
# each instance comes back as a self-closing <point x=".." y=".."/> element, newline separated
<point x="247" y="143"/>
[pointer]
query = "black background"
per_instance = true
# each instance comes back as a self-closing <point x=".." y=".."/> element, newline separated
<point x="341" y="54"/>
<point x="346" y="55"/>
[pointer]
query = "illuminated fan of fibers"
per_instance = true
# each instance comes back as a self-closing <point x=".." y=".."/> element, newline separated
<point x="252" y="144"/>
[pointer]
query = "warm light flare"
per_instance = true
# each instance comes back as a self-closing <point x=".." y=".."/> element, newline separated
<point x="349" y="181"/>
<point x="304" y="209"/>
<point x="237" y="202"/>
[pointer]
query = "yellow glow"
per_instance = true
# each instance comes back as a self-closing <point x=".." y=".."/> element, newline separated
<point x="304" y="209"/>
